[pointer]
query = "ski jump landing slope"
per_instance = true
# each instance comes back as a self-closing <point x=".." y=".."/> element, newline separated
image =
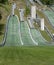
<point x="26" y="35"/>
<point x="18" y="34"/>
<point x="12" y="37"/>
<point x="50" y="16"/>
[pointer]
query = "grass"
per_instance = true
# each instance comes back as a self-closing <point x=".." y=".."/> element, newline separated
<point x="27" y="55"/>
<point x="1" y="5"/>
<point x="44" y="34"/>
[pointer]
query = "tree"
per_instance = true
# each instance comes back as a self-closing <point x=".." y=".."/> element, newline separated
<point x="47" y="2"/>
<point x="3" y="1"/>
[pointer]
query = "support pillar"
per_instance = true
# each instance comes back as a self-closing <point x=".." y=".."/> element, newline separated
<point x="42" y="24"/>
<point x="33" y="12"/>
<point x="13" y="7"/>
<point x="21" y="11"/>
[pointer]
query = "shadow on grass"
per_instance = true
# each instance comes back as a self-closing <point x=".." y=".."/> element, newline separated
<point x="1" y="33"/>
<point x="1" y="28"/>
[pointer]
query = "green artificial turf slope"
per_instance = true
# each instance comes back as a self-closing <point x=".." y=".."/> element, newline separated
<point x="27" y="55"/>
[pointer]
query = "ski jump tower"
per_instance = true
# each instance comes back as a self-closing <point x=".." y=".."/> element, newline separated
<point x="33" y="17"/>
<point x="13" y="8"/>
<point x="42" y="24"/>
<point x="33" y="12"/>
<point x="21" y="11"/>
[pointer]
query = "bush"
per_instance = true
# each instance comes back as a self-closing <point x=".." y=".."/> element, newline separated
<point x="27" y="11"/>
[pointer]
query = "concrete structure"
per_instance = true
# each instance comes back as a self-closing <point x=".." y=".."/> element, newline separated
<point x="42" y="24"/>
<point x="21" y="11"/>
<point x="30" y="21"/>
<point x="33" y="12"/>
<point x="32" y="2"/>
<point x="13" y="7"/>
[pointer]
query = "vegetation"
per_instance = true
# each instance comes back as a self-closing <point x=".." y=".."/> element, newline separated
<point x="27" y="55"/>
<point x="47" y="2"/>
<point x="3" y="16"/>
<point x="3" y="1"/>
<point x="45" y="35"/>
<point x="27" y="11"/>
<point x="43" y="55"/>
